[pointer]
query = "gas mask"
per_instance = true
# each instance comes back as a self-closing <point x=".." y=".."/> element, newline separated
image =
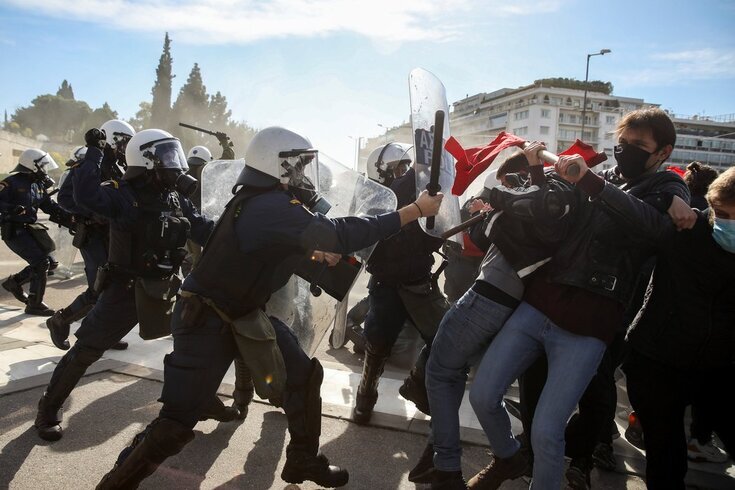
<point x="175" y="180"/>
<point x="301" y="169"/>
<point x="44" y="180"/>
<point x="631" y="160"/>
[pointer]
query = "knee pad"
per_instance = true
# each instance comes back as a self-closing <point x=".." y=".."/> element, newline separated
<point x="183" y="390"/>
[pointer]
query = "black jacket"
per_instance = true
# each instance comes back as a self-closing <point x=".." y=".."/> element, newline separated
<point x="604" y="257"/>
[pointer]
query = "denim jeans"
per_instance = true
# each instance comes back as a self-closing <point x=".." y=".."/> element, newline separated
<point x="572" y="359"/>
<point x="465" y="332"/>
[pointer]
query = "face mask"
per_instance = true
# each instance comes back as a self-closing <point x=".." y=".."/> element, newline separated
<point x="631" y="160"/>
<point x="313" y="201"/>
<point x="724" y="233"/>
<point x="175" y="180"/>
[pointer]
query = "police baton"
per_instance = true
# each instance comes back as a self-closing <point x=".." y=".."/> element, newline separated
<point x="436" y="158"/>
<point x="195" y="128"/>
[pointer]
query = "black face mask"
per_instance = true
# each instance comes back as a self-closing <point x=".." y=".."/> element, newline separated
<point x="631" y="160"/>
<point x="44" y="180"/>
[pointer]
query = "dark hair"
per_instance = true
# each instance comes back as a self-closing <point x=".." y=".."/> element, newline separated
<point x="653" y="118"/>
<point x="698" y="178"/>
<point x="722" y="189"/>
<point x="517" y="162"/>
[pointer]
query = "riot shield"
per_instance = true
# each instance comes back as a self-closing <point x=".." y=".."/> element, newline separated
<point x="65" y="253"/>
<point x="349" y="193"/>
<point x="427" y="96"/>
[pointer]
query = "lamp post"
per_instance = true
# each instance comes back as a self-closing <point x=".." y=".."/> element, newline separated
<point x="586" y="78"/>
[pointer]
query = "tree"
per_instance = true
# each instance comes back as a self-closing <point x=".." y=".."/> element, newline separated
<point x="142" y="119"/>
<point x="161" y="103"/>
<point x="192" y="106"/>
<point x="53" y="116"/>
<point x="65" y="91"/>
<point x="99" y="116"/>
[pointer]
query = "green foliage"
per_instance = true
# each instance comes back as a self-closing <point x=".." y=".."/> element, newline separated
<point x="52" y="115"/>
<point x="592" y="86"/>
<point x="161" y="103"/>
<point x="99" y="116"/>
<point x="142" y="118"/>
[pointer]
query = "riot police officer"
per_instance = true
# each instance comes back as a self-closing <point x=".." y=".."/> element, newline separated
<point x="401" y="288"/>
<point x="91" y="231"/>
<point x="22" y="193"/>
<point x="265" y="230"/>
<point x="150" y="220"/>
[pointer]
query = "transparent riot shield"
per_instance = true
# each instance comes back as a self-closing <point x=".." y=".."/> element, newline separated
<point x="427" y="96"/>
<point x="349" y="193"/>
<point x="65" y="253"/>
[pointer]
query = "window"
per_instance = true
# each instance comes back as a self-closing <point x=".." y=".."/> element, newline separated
<point x="544" y="129"/>
<point x="522" y="131"/>
<point x="521" y="115"/>
<point x="569" y="101"/>
<point x="610" y="119"/>
<point x="545" y="113"/>
<point x="546" y="99"/>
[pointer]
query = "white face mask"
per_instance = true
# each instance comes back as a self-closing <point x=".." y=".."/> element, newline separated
<point x="724" y="233"/>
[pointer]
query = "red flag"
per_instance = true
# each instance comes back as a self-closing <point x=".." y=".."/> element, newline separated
<point x="587" y="152"/>
<point x="677" y="170"/>
<point x="473" y="161"/>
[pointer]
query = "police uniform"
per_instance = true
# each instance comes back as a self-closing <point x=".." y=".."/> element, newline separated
<point x="401" y="288"/>
<point x="148" y="229"/>
<point x="92" y="239"/>
<point x="252" y="253"/>
<point x="21" y="195"/>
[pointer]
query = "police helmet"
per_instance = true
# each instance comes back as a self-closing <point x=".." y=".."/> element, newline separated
<point x="199" y="155"/>
<point x="117" y="131"/>
<point x="153" y="149"/>
<point x="277" y="155"/>
<point x="77" y="155"/>
<point x="384" y="159"/>
<point x="35" y="160"/>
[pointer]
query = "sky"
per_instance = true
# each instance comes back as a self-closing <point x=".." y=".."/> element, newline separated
<point x="336" y="70"/>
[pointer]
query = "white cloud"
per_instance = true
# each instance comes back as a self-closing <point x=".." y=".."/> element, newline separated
<point x="244" y="21"/>
<point x="677" y="67"/>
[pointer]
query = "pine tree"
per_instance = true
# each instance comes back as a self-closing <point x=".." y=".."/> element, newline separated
<point x="65" y="91"/>
<point x="192" y="107"/>
<point x="161" y="103"/>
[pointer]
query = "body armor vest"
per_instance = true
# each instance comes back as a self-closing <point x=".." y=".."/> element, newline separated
<point x="241" y="282"/>
<point x="154" y="245"/>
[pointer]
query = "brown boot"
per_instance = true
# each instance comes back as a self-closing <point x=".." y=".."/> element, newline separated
<point x="498" y="471"/>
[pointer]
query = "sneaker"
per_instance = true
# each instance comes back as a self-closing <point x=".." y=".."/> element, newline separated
<point x="634" y="432"/>
<point x="705" y="453"/>
<point x="604" y="457"/>
<point x="498" y="471"/>
<point x="578" y="475"/>
<point x="424" y="469"/>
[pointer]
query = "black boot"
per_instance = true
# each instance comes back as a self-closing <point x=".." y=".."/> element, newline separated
<point x="448" y="480"/>
<point x="35" y="305"/>
<point x="244" y="389"/>
<point x="218" y="411"/>
<point x="424" y="469"/>
<point x="367" y="392"/>
<point x="160" y="440"/>
<point x="67" y="374"/>
<point x="14" y="288"/>
<point x="303" y="460"/>
<point x="119" y="345"/>
<point x="60" y="323"/>
<point x="413" y="388"/>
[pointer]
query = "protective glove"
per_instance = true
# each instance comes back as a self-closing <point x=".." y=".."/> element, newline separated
<point x="18" y="210"/>
<point x="95" y="138"/>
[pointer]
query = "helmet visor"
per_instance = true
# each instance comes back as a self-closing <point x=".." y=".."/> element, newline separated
<point x="166" y="153"/>
<point x="45" y="163"/>
<point x="300" y="169"/>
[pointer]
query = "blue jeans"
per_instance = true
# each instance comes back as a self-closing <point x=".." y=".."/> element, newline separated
<point x="573" y="361"/>
<point x="465" y="332"/>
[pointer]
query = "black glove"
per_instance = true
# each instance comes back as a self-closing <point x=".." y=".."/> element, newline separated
<point x="18" y="210"/>
<point x="95" y="138"/>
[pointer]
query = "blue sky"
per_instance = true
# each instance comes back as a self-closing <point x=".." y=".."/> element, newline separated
<point x="332" y="69"/>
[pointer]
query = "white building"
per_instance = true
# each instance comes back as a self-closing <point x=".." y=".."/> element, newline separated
<point x="543" y="112"/>
<point x="706" y="139"/>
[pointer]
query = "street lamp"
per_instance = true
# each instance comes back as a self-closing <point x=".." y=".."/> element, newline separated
<point x="586" y="77"/>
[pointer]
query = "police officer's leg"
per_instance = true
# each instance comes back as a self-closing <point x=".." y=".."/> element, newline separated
<point x="22" y="244"/>
<point x="302" y="404"/>
<point x="110" y="320"/>
<point x="203" y="351"/>
<point x="382" y="326"/>
<point x="37" y="289"/>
